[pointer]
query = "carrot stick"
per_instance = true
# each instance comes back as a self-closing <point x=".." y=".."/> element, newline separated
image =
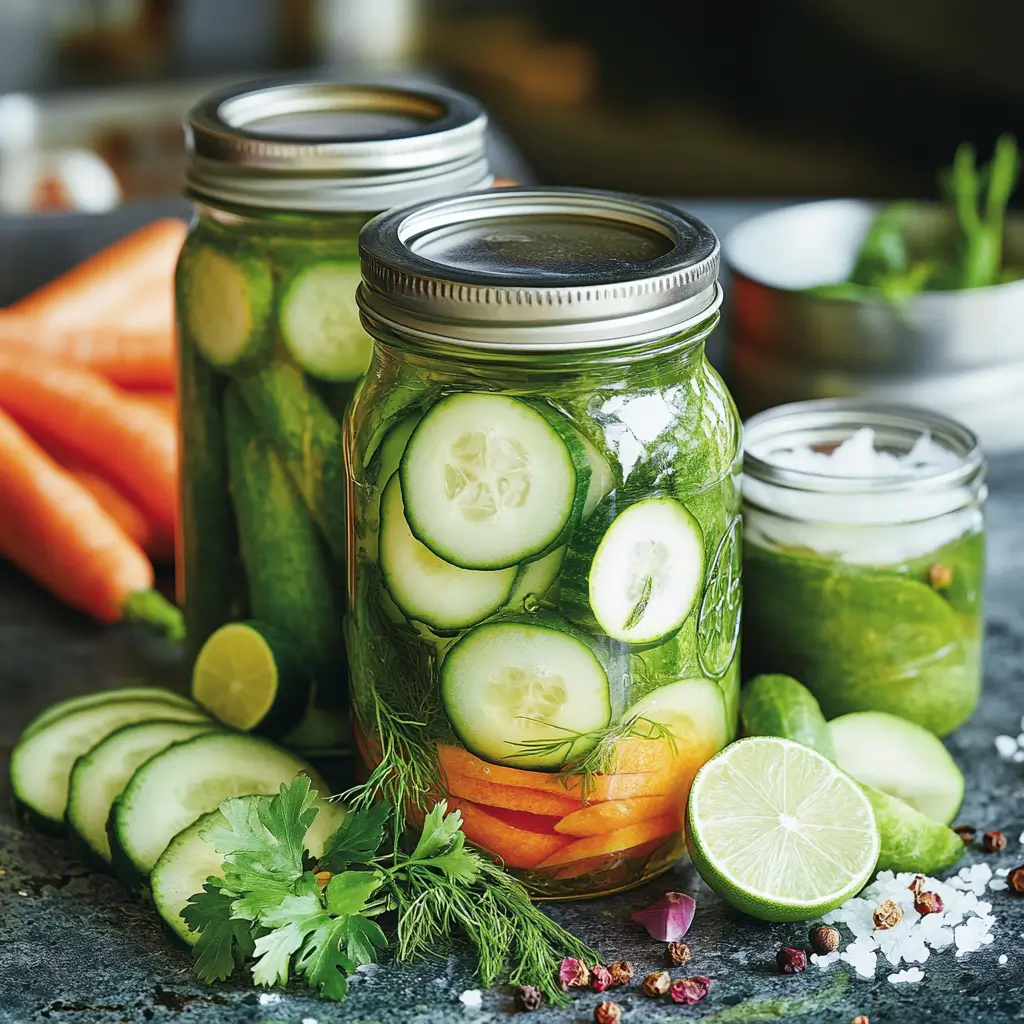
<point x="53" y="529"/>
<point x="132" y="359"/>
<point x="164" y="401"/>
<point x="131" y="444"/>
<point x="130" y="284"/>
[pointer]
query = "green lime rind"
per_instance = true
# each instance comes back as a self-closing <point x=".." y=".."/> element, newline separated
<point x="911" y="841"/>
<point x="777" y="705"/>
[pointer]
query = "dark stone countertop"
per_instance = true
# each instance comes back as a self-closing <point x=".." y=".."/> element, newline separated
<point x="74" y="949"/>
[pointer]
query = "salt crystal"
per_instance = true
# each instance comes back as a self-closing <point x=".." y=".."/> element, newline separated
<point x="1006" y="746"/>
<point x="269" y="998"/>
<point x="1018" y="757"/>
<point x="1003" y="958"/>
<point x="472" y="998"/>
<point x="998" y="884"/>
<point x="911" y="975"/>
<point x="309" y="1020"/>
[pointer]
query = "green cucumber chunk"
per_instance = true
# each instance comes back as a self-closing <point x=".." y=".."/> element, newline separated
<point x="320" y="323"/>
<point x="41" y="763"/>
<point x="776" y="705"/>
<point x="515" y="692"/>
<point x="99" y="776"/>
<point x="226" y="306"/>
<point x="186" y="780"/>
<point x="911" y="841"/>
<point x="489" y="482"/>
<point x="427" y="588"/>
<point x="900" y="758"/>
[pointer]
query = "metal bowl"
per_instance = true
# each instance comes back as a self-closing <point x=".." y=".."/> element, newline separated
<point x="773" y="257"/>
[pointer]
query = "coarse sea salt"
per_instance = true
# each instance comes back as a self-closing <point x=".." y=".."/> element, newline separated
<point x="911" y="974"/>
<point x="965" y="922"/>
<point x="472" y="997"/>
<point x="1006" y="746"/>
<point x="1003" y="958"/>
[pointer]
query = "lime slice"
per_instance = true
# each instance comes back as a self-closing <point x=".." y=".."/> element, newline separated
<point x="247" y="678"/>
<point x="779" y="831"/>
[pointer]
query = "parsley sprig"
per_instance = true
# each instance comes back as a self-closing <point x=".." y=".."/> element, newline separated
<point x="270" y="912"/>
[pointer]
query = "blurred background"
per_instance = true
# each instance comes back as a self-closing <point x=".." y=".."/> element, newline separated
<point x="704" y="98"/>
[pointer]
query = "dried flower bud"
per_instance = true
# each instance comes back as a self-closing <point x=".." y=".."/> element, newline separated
<point x="940" y="575"/>
<point x="966" y="833"/>
<point x="621" y="972"/>
<point x="322" y="878"/>
<point x="928" y="903"/>
<point x="994" y="842"/>
<point x="823" y="939"/>
<point x="689" y="990"/>
<point x="791" y="961"/>
<point x="573" y="973"/>
<point x="600" y="978"/>
<point x="860" y="1019"/>
<point x="917" y="885"/>
<point x="1015" y="878"/>
<point x="678" y="953"/>
<point x="607" y="1013"/>
<point x="656" y="984"/>
<point x="888" y="915"/>
<point x="527" y="998"/>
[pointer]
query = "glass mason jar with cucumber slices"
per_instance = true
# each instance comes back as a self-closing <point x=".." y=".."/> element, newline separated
<point x="283" y="177"/>
<point x="544" y="567"/>
<point x="864" y="557"/>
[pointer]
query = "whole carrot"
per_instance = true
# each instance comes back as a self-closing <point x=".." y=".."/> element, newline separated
<point x="53" y="529"/>
<point x="128" y="442"/>
<point x="129" y="358"/>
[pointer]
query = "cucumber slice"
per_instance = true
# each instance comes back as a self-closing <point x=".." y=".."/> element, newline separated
<point x="534" y="579"/>
<point x="88" y="700"/>
<point x="392" y="448"/>
<point x="176" y="786"/>
<point x="41" y="763"/>
<point x="227" y="306"/>
<point x="189" y="860"/>
<point x="489" y="482"/>
<point x="647" y="571"/>
<point x="249" y="677"/>
<point x="515" y="692"/>
<point x="99" y="777"/>
<point x="320" y="323"/>
<point x="900" y="758"/>
<point x="426" y="587"/>
<point x="602" y="480"/>
<point x="692" y="709"/>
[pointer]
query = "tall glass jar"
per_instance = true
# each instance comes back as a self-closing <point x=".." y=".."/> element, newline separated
<point x="864" y="574"/>
<point x="283" y="177"/>
<point x="543" y="527"/>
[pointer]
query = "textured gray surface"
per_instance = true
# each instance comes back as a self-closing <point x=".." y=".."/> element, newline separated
<point x="75" y="950"/>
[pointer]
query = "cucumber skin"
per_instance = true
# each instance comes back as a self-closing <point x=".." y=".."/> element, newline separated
<point x="795" y="715"/>
<point x="120" y="863"/>
<point x="290" y="585"/>
<point x="291" y="414"/>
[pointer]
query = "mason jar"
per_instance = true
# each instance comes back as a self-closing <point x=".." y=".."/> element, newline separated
<point x="544" y="584"/>
<point x="864" y="572"/>
<point x="283" y="177"/>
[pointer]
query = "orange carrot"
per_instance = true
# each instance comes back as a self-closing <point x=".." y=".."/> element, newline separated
<point x="612" y="842"/>
<point x="53" y="529"/>
<point x="129" y="443"/>
<point x="513" y="798"/>
<point x="614" y="814"/>
<point x="165" y="401"/>
<point x="130" y="358"/>
<point x="517" y="847"/>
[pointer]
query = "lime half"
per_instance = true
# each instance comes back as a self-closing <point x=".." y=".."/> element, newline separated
<point x="779" y="831"/>
<point x="247" y="678"/>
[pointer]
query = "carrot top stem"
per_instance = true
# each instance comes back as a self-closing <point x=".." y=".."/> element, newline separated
<point x="155" y="610"/>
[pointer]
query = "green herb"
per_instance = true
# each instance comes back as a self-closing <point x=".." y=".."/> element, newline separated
<point x="268" y="910"/>
<point x="641" y="606"/>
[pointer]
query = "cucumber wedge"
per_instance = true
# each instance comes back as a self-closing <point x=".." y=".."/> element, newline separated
<point x="427" y="588"/>
<point x="516" y="693"/>
<point x="41" y="763"/>
<point x="900" y="758"/>
<point x="489" y="482"/>
<point x="99" y="777"/>
<point x="185" y="781"/>
<point x="189" y="860"/>
<point x="320" y="323"/>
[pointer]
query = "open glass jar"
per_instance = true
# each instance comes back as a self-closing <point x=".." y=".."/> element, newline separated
<point x="866" y="583"/>
<point x="283" y="177"/>
<point x="544" y="566"/>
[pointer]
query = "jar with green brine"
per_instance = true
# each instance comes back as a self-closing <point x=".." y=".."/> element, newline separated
<point x="283" y="177"/>
<point x="864" y="558"/>
<point x="544" y="584"/>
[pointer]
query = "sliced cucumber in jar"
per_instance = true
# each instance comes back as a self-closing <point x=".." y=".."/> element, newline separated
<point x="602" y="480"/>
<point x="427" y="588"/>
<point x="530" y="695"/>
<point x="489" y="482"/>
<point x="320" y="322"/>
<point x="534" y="579"/>
<point x="693" y="710"/>
<point x="392" y="448"/>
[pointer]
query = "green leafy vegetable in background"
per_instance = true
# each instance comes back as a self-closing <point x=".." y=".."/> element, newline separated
<point x="270" y="910"/>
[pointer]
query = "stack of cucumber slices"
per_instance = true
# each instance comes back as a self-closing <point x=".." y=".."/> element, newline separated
<point x="131" y="774"/>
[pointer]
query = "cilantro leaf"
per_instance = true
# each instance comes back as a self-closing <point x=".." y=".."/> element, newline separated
<point x="362" y="938"/>
<point x="323" y="963"/>
<point x="295" y="917"/>
<point x="348" y="892"/>
<point x="223" y="943"/>
<point x="288" y="817"/>
<point x="439" y="832"/>
<point x="357" y="839"/>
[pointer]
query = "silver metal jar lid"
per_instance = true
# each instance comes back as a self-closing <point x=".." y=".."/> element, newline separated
<point x="527" y="269"/>
<point x="333" y="146"/>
